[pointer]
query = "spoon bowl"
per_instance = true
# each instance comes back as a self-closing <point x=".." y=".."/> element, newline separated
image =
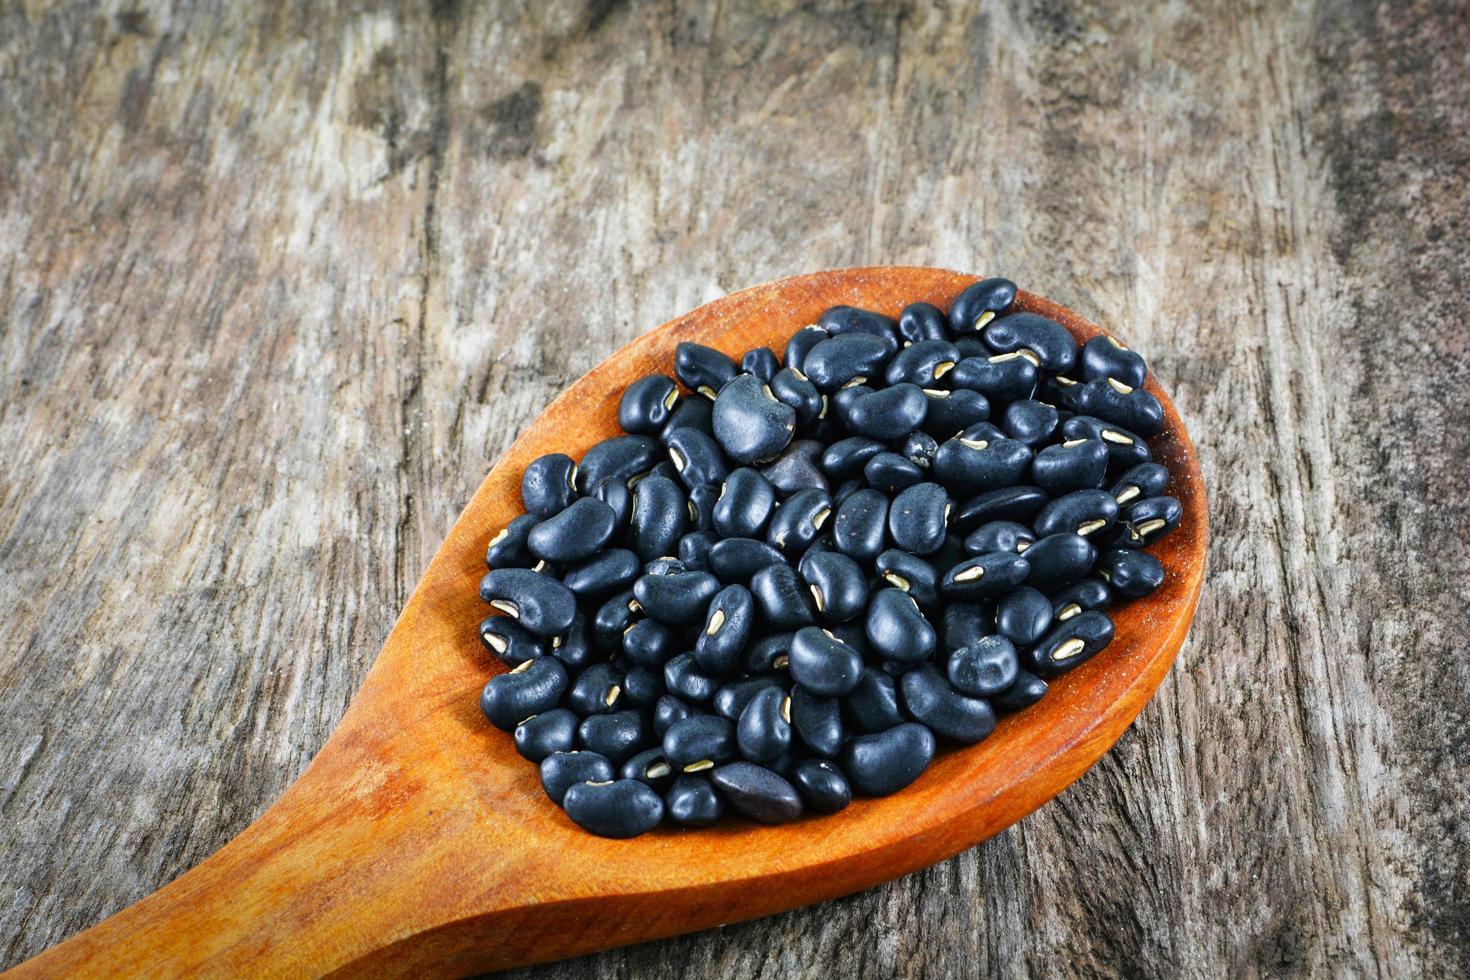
<point x="418" y="841"/>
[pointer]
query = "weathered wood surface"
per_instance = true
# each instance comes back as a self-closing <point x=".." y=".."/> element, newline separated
<point x="278" y="283"/>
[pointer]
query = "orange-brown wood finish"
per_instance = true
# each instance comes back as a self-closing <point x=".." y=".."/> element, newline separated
<point x="418" y="841"/>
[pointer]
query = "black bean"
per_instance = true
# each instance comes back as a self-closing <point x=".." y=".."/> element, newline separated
<point x="1104" y="357"/>
<point x="837" y="585"/>
<point x="745" y="504"/>
<point x="795" y="390"/>
<point x="617" y="736"/>
<point x="909" y="573"/>
<point x="799" y="520"/>
<point x="1023" y="616"/>
<point x="801" y="344"/>
<point x="872" y="706"/>
<point x="727" y="627"/>
<point x="697" y="458"/>
<point x="647" y="405"/>
<point x="979" y="304"/>
<point x="508" y="548"/>
<point x="767" y="655"/>
<point x="1083" y="512"/>
<point x="690" y="413"/>
<point x="574" y="534"/>
<point x="694" y="549"/>
<point x="643" y="686"/>
<point x="817" y="722"/>
<point x="683" y="677"/>
<point x="693" y="802"/>
<point x="919" y="448"/>
<point x="1058" y="560"/>
<point x="650" y="768"/>
<point x="533" y="687"/>
<point x="897" y="629"/>
<point x="761" y="362"/>
<point x="839" y="320"/>
<point x="859" y="528"/>
<point x="838" y="361"/>
<point x="1131" y="574"/>
<point x="918" y="517"/>
<point x="846" y="458"/>
<point x="780" y="597"/>
<point x="676" y="599"/>
<point x="575" y="648"/>
<point x="889" y="413"/>
<point x="612" y="620"/>
<point x="1126" y="449"/>
<point x="796" y="469"/>
<point x="922" y="321"/>
<point x="951" y="412"/>
<point x="1030" y="422"/>
<point x="1069" y="643"/>
<point x="551" y="731"/>
<point x="699" y="742"/>
<point x="560" y="771"/>
<point x="703" y="369"/>
<point x="738" y="559"/>
<point x="984" y="668"/>
<point x="602" y="575"/>
<point x="667" y="710"/>
<point x="891" y="473"/>
<point x="1051" y="342"/>
<point x="968" y="464"/>
<point x="966" y="623"/>
<point x="1026" y="691"/>
<point x="701" y="507"/>
<point x="1113" y="401"/>
<point x="764" y="730"/>
<point x="840" y="403"/>
<point x="922" y="363"/>
<point x="1010" y="536"/>
<point x="999" y="377"/>
<point x="929" y="698"/>
<point x="822" y="664"/>
<point x="538" y="602"/>
<point x="1153" y="517"/>
<point x="751" y="425"/>
<point x="730" y="700"/>
<point x="821" y="785"/>
<point x="549" y="485"/>
<point x="598" y="690"/>
<point x="1019" y="504"/>
<point x="618" y="458"/>
<point x="1077" y="464"/>
<point x="620" y="809"/>
<point x="1081" y="596"/>
<point x="757" y="792"/>
<point x="511" y="642"/>
<point x="882" y="764"/>
<point x="985" y="576"/>
<point x="1143" y="480"/>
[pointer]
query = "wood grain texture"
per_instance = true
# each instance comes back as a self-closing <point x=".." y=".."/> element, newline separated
<point x="277" y="284"/>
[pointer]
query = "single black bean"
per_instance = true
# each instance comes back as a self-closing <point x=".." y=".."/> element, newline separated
<point x="1011" y="536"/>
<point x="1052" y="343"/>
<point x="952" y="412"/>
<point x="1023" y="616"/>
<point x="985" y="668"/>
<point x="575" y="534"/>
<point x="667" y="710"/>
<point x="1143" y="480"/>
<point x="620" y="809"/>
<point x="598" y="690"/>
<point x="799" y="520"/>
<point x="511" y="642"/>
<point x="757" y="792"/>
<point x="801" y="344"/>
<point x="699" y="742"/>
<point x="1081" y="596"/>
<point x="727" y="627"/>
<point x="615" y="494"/>
<point x="922" y="363"/>
<point x="549" y="485"/>
<point x="1030" y="422"/>
<point x="999" y="377"/>
<point x="738" y="559"/>
<point x="979" y="304"/>
<point x="533" y="687"/>
<point x="1026" y="691"/>
<point x="1153" y="517"/>
<point x="796" y="469"/>
<point x="840" y="403"/>
<point x="612" y="620"/>
<point x="822" y="664"/>
<point x="701" y="507"/>
<point x="821" y="785"/>
<point x="676" y="599"/>
<point x="1084" y="512"/>
<point x="761" y="362"/>
<point x="967" y="623"/>
<point x="650" y="768"/>
<point x="751" y="425"/>
<point x="919" y="448"/>
<point x="889" y="413"/>
<point x="508" y="548"/>
<point x="764" y="729"/>
<point x="618" y="458"/>
<point x="768" y="655"/>
<point x="730" y="700"/>
<point x="683" y="677"/>
<point x="891" y="473"/>
<point x="897" y="629"/>
<point x="846" y="458"/>
<point x="643" y="686"/>
<point x="1019" y="504"/>
<point x="860" y="525"/>
<point x="1069" y="643"/>
<point x="690" y="413"/>
<point x="538" y="602"/>
<point x="909" y="573"/>
<point x="929" y="698"/>
<point x="918" y="518"/>
<point x="551" y="731"/>
<point x="1126" y="449"/>
<point x="838" y="361"/>
<point x="839" y="320"/>
<point x="986" y="576"/>
<point x="795" y="390"/>
<point x="1113" y="401"/>
<point x="617" y="736"/>
<point x="817" y="722"/>
<point x="602" y="575"/>
<point x="745" y="504"/>
<point x="1058" y="560"/>
<point x="1104" y="357"/>
<point x="647" y="405"/>
<point x="575" y="648"/>
<point x="693" y="802"/>
<point x="922" y="321"/>
<point x="697" y="458"/>
<point x="560" y="771"/>
<point x="703" y="369"/>
<point x="781" y="597"/>
<point x="838" y="586"/>
<point x="872" y="706"/>
<point x="694" y="549"/>
<point x="882" y="764"/>
<point x="1076" y="464"/>
<point x="1131" y="574"/>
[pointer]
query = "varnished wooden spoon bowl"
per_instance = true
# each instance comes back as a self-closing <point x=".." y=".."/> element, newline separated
<point x="418" y="841"/>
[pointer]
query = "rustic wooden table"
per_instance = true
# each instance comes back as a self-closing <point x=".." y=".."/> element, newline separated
<point x="277" y="282"/>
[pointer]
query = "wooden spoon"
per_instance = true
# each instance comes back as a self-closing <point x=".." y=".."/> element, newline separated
<point x="418" y="841"/>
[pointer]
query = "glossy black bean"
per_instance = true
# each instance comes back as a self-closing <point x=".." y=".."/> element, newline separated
<point x="846" y="489"/>
<point x="999" y="377"/>
<point x="538" y="602"/>
<point x="767" y="655"/>
<point x="1060" y="391"/>
<point x="664" y="469"/>
<point x="1081" y="596"/>
<point x="551" y="731"/>
<point x="667" y="710"/>
<point x="985" y="668"/>
<point x="1153" y="517"/>
<point x="799" y="520"/>
<point x="507" y="549"/>
<point x="1010" y="536"/>
<point x="647" y="405"/>
<point x="919" y="448"/>
<point x="1104" y="357"/>
<point x="781" y="597"/>
<point x="838" y="361"/>
<point x="929" y="698"/>
<point x="678" y="598"/>
<point x="872" y="705"/>
<point x="1023" y="615"/>
<point x="732" y="697"/>
<point x="918" y="518"/>
<point x="690" y="413"/>
<point x="703" y="369"/>
<point x="966" y="623"/>
<point x="699" y="742"/>
<point x="980" y="303"/>
<point x="694" y="549"/>
<point x="922" y="363"/>
<point x="617" y="736"/>
<point x="764" y="730"/>
<point x="618" y="458"/>
<point x="575" y="534"/>
<point x="751" y="425"/>
<point x="701" y="507"/>
<point x="757" y="793"/>
<point x="643" y="686"/>
<point x="575" y="648"/>
<point x="821" y="785"/>
<point x="746" y="502"/>
<point x="660" y="518"/>
<point x="650" y="768"/>
<point x="890" y="473"/>
<point x="1083" y="512"/>
<point x="560" y="771"/>
<point x="598" y="690"/>
<point x="985" y="576"/>
<point x="761" y="362"/>
<point x="967" y="465"/>
<point x="882" y="764"/>
<point x="1113" y="401"/>
<point x="549" y="485"/>
<point x="951" y="412"/>
<point x="612" y="620"/>
<point x="1026" y="691"/>
<point x="1143" y="480"/>
<point x="795" y="390"/>
<point x="738" y="559"/>
<point x="841" y="402"/>
<point x="889" y="413"/>
<point x="909" y="573"/>
<point x="796" y="469"/>
<point x="817" y="722"/>
<point x="922" y="321"/>
<point x="822" y="664"/>
<point x="693" y="802"/>
<point x="533" y="687"/>
<point x="727" y="627"/>
<point x="511" y="642"/>
<point x="1069" y="643"/>
<point x="1051" y="342"/>
<point x="897" y="629"/>
<point x="697" y="458"/>
<point x="837" y="584"/>
<point x="846" y="458"/>
<point x="619" y="809"/>
<point x="801" y="344"/>
<point x="1019" y="504"/>
<point x="615" y="494"/>
<point x="1126" y="449"/>
<point x="1077" y="464"/>
<point x="602" y="575"/>
<point x="839" y="320"/>
<point x="1131" y="574"/>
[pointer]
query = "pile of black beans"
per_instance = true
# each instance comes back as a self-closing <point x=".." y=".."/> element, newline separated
<point x="794" y="576"/>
